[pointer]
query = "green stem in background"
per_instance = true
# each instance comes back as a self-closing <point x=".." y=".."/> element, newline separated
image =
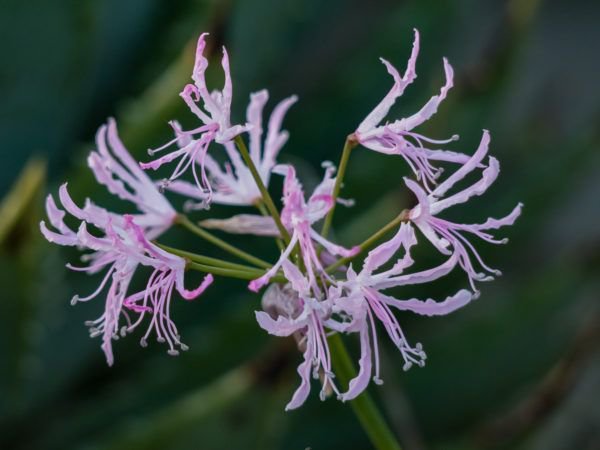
<point x="266" y="197"/>
<point x="363" y="406"/>
<point x="21" y="201"/>
<point x="348" y="146"/>
<point x="160" y="429"/>
<point x="187" y="223"/>
<point x="370" y="241"/>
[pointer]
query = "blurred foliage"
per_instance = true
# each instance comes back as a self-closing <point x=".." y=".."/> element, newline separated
<point x="517" y="369"/>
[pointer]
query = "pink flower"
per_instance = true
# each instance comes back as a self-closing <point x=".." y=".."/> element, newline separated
<point x="119" y="251"/>
<point x="397" y="138"/>
<point x="360" y="301"/>
<point x="294" y="311"/>
<point x="448" y="236"/>
<point x="114" y="167"/>
<point x="234" y="184"/>
<point x="298" y="216"/>
<point x="214" y="115"/>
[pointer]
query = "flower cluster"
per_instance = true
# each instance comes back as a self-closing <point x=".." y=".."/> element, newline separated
<point x="316" y="288"/>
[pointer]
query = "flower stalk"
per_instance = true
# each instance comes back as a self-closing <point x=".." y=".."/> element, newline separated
<point x="246" y="274"/>
<point x="185" y="222"/>
<point x="194" y="257"/>
<point x="266" y="197"/>
<point x="363" y="406"/>
<point x="350" y="143"/>
<point x="261" y="207"/>
<point x="370" y="241"/>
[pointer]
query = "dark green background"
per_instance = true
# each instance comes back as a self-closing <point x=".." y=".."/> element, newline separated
<point x="520" y="368"/>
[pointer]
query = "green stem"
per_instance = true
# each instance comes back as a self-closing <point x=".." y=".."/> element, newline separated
<point x="348" y="146"/>
<point x="187" y="223"/>
<point x="363" y="406"/>
<point x="232" y="273"/>
<point x="261" y="207"/>
<point x="369" y="242"/>
<point x="266" y="197"/>
<point x="204" y="259"/>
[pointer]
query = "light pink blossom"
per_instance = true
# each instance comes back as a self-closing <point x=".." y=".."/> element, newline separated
<point x="448" y="237"/>
<point x="119" y="251"/>
<point x="215" y="115"/>
<point x="114" y="167"/>
<point x="233" y="183"/>
<point x="298" y="216"/>
<point x="360" y="301"/>
<point x="397" y="138"/>
<point x="293" y="310"/>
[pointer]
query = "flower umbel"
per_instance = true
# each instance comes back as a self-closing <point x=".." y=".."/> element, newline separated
<point x="316" y="288"/>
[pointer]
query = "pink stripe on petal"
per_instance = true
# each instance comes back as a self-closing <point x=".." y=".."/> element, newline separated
<point x="383" y="253"/>
<point x="488" y="177"/>
<point x="190" y="295"/>
<point x="304" y="370"/>
<point x="421" y="277"/>
<point x="467" y="168"/>
<point x="430" y="107"/>
<point x="430" y="307"/>
<point x="400" y="83"/>
<point x="358" y="384"/>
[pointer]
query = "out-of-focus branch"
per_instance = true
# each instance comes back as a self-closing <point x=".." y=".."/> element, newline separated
<point x="157" y="430"/>
<point x="545" y="397"/>
<point x="21" y="197"/>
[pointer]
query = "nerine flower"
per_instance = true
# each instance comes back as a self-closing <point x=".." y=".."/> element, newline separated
<point x="298" y="216"/>
<point x="122" y="247"/>
<point x="295" y="311"/>
<point x="448" y="237"/>
<point x="360" y="301"/>
<point x="233" y="183"/>
<point x="398" y="137"/>
<point x="215" y="116"/>
<point x="114" y="167"/>
<point x="311" y="304"/>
